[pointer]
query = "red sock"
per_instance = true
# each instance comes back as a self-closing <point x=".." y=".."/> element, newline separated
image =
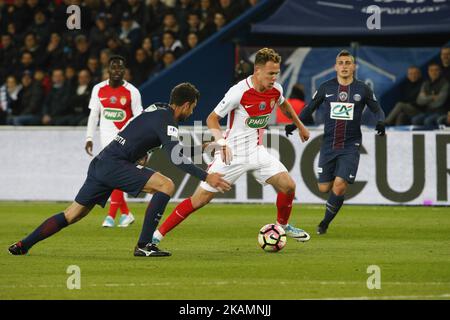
<point x="181" y="212"/>
<point x="116" y="202"/>
<point x="124" y="207"/>
<point x="284" y="206"/>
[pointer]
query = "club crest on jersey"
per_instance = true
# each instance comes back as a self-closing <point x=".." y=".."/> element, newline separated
<point x="343" y="96"/>
<point x="123" y="100"/>
<point x="272" y="103"/>
<point x="172" y="131"/>
<point x="262" y="105"/>
<point x="257" y="122"/>
<point x="341" y="110"/>
<point x="357" y="97"/>
<point x="114" y="114"/>
<point x="113" y="99"/>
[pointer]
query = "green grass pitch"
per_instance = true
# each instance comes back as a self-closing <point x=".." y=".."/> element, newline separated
<point x="216" y="256"/>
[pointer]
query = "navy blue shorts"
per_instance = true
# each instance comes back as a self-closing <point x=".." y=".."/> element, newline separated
<point x="105" y="175"/>
<point x="344" y="166"/>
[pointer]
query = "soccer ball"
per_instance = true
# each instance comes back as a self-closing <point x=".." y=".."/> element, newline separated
<point x="272" y="238"/>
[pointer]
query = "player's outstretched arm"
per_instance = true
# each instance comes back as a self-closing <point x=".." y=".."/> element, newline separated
<point x="216" y="180"/>
<point x="374" y="106"/>
<point x="287" y="109"/>
<point x="88" y="147"/>
<point x="219" y="142"/>
<point x="317" y="99"/>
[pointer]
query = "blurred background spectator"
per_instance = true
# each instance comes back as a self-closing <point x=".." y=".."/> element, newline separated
<point x="30" y="100"/>
<point x="432" y="97"/>
<point x="407" y="107"/>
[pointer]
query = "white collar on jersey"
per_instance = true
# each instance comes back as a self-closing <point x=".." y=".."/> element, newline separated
<point x="250" y="82"/>
<point x="124" y="82"/>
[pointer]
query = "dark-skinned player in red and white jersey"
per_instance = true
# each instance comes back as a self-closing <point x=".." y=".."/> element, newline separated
<point x="248" y="105"/>
<point x="113" y="101"/>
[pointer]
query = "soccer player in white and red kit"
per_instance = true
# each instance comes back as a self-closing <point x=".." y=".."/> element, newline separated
<point x="115" y="101"/>
<point x="248" y="106"/>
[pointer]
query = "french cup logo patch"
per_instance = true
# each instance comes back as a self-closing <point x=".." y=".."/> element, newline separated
<point x="172" y="131"/>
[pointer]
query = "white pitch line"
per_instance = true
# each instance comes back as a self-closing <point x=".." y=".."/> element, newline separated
<point x="221" y="283"/>
<point x="445" y="295"/>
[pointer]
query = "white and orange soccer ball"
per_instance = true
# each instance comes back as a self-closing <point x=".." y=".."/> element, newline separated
<point x="272" y="238"/>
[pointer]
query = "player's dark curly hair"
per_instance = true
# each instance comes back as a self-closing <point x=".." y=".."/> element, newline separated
<point x="184" y="92"/>
<point x="116" y="57"/>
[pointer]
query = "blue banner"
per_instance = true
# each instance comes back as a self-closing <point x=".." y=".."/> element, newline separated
<point x="362" y="17"/>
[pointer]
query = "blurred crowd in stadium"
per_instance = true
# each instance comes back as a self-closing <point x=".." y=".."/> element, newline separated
<point x="48" y="71"/>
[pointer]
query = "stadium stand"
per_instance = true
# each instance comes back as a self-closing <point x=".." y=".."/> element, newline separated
<point x="151" y="34"/>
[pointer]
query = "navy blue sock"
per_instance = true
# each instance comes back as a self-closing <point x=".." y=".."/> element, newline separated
<point x="153" y="214"/>
<point x="49" y="227"/>
<point x="334" y="203"/>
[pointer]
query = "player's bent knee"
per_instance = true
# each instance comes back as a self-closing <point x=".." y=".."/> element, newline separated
<point x="201" y="198"/>
<point x="76" y="212"/>
<point x="324" y="187"/>
<point x="168" y="187"/>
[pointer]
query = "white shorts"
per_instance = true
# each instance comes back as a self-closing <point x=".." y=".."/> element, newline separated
<point x="261" y="162"/>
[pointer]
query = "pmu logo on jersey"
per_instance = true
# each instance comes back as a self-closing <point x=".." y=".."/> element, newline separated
<point x="114" y="114"/>
<point x="257" y="122"/>
<point x="341" y="111"/>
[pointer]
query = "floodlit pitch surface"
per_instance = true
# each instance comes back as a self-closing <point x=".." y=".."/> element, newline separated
<point x="216" y="256"/>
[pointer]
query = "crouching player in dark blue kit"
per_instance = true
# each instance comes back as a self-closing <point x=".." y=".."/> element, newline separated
<point x="115" y="168"/>
<point x="344" y="98"/>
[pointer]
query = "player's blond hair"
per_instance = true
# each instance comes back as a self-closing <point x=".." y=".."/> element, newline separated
<point x="265" y="55"/>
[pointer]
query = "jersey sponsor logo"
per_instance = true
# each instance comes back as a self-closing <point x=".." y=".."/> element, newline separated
<point x="341" y="110"/>
<point x="248" y="106"/>
<point x="328" y="95"/>
<point x="262" y="105"/>
<point x="103" y="98"/>
<point x="113" y="99"/>
<point x="114" y="114"/>
<point x="357" y="97"/>
<point x="123" y="100"/>
<point x="257" y="122"/>
<point x="343" y="96"/>
<point x="172" y="131"/>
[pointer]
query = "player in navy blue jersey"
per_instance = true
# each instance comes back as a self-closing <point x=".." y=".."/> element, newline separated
<point x="115" y="168"/>
<point x="344" y="98"/>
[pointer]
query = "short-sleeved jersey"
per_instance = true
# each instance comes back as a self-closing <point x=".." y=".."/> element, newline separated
<point x="344" y="107"/>
<point x="114" y="106"/>
<point x="248" y="113"/>
<point x="154" y="128"/>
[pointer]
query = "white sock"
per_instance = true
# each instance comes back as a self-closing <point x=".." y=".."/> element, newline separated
<point x="158" y="235"/>
<point x="282" y="225"/>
